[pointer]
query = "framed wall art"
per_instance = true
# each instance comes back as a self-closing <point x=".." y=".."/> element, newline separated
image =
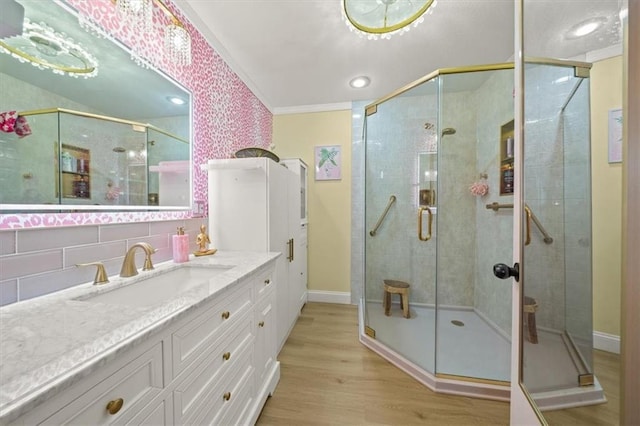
<point x="327" y="162"/>
<point x="615" y="135"/>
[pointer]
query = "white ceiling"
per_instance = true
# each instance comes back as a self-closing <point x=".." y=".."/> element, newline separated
<point x="299" y="53"/>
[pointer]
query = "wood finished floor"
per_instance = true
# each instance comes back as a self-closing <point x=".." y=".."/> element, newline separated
<point x="329" y="378"/>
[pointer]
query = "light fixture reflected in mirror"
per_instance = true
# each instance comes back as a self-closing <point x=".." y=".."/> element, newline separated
<point x="44" y="48"/>
<point x="383" y="18"/>
<point x="139" y="15"/>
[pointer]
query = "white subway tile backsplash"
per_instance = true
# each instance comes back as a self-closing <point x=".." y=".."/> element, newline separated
<point x="7" y="242"/>
<point x="51" y="238"/>
<point x="50" y="282"/>
<point x="8" y="292"/>
<point x="123" y="231"/>
<point x="94" y="253"/>
<point x="46" y="257"/>
<point x="17" y="265"/>
<point x="165" y="227"/>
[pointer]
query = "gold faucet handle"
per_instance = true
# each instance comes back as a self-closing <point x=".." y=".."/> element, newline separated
<point x="101" y="274"/>
<point x="148" y="264"/>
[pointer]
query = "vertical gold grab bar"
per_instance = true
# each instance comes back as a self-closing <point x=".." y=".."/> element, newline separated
<point x="392" y="200"/>
<point x="420" y="210"/>
<point x="527" y="240"/>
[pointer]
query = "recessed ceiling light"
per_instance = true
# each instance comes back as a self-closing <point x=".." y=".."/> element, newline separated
<point x="586" y="27"/>
<point x="360" y="82"/>
<point x="175" y="100"/>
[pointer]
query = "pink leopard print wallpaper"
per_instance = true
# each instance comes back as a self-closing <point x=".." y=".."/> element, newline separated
<point x="227" y="116"/>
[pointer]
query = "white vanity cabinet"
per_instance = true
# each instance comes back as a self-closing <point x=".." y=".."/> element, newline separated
<point x="215" y="365"/>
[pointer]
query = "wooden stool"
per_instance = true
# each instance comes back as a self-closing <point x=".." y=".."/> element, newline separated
<point x="396" y="287"/>
<point x="529" y="310"/>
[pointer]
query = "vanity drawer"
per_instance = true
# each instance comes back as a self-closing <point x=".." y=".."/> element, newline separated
<point x="264" y="283"/>
<point x="194" y="337"/>
<point x="135" y="384"/>
<point x="226" y="355"/>
<point x="230" y="396"/>
<point x="235" y="411"/>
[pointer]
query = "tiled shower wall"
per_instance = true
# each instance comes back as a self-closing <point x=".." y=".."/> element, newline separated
<point x="35" y="262"/>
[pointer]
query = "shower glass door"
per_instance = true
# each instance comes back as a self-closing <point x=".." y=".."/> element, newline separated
<point x="473" y="306"/>
<point x="557" y="347"/>
<point x="400" y="196"/>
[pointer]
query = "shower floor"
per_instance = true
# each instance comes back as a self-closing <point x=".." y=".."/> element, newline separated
<point x="474" y="349"/>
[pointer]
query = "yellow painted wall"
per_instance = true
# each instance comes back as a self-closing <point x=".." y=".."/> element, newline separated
<point x="606" y="94"/>
<point x="295" y="136"/>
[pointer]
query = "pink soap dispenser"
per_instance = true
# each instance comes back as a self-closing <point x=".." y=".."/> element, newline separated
<point x="180" y="246"/>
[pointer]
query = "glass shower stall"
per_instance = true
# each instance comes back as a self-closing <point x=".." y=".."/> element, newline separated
<point x="438" y="207"/>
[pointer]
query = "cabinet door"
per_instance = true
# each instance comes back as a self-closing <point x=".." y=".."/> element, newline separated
<point x="296" y="289"/>
<point x="265" y="343"/>
<point x="280" y="241"/>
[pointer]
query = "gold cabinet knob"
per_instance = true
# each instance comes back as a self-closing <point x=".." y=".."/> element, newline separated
<point x="226" y="396"/>
<point x="114" y="406"/>
<point x="226" y="356"/>
<point x="225" y="315"/>
<point x="267" y="281"/>
<point x="261" y="324"/>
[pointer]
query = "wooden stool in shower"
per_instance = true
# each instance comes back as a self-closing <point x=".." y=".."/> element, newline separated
<point x="396" y="287"/>
<point x="529" y="311"/>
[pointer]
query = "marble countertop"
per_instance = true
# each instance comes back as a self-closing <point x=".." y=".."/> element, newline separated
<point x="51" y="342"/>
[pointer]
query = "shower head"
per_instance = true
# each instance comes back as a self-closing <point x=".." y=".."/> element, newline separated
<point x="448" y="131"/>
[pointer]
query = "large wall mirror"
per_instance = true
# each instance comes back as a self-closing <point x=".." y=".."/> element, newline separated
<point x="116" y="137"/>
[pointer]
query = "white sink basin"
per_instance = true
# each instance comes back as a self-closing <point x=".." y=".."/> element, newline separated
<point x="159" y="288"/>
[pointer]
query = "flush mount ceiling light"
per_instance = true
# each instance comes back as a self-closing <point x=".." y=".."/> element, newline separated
<point x="586" y="27"/>
<point x="45" y="48"/>
<point x="383" y="18"/>
<point x="360" y="82"/>
<point x="175" y="100"/>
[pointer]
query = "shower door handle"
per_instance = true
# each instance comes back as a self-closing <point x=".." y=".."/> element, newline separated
<point x="428" y="210"/>
<point x="503" y="271"/>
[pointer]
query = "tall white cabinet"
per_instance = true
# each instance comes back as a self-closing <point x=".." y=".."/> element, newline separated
<point x="254" y="204"/>
<point x="298" y="296"/>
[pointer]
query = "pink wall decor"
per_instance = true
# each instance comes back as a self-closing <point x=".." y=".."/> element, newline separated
<point x="227" y="116"/>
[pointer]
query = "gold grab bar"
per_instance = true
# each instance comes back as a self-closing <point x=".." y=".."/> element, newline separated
<point x="420" y="210"/>
<point x="392" y="200"/>
<point x="530" y="217"/>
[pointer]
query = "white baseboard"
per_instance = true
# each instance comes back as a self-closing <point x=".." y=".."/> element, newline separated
<point x="606" y="342"/>
<point x="340" y="297"/>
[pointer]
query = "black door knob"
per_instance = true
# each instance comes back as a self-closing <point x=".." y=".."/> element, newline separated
<point x="503" y="271"/>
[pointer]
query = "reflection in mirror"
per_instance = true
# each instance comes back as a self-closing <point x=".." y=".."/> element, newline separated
<point x="115" y="138"/>
<point x="428" y="178"/>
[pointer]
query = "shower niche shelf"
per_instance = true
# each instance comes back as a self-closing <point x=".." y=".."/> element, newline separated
<point x="75" y="176"/>
<point x="506" y="158"/>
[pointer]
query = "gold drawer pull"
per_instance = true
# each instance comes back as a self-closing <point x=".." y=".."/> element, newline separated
<point x="261" y="324"/>
<point x="267" y="281"/>
<point x="225" y="315"/>
<point x="114" y="406"/>
<point x="226" y="356"/>
<point x="226" y="396"/>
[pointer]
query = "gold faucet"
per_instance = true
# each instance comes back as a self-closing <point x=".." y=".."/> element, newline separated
<point x="129" y="264"/>
<point x="101" y="275"/>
